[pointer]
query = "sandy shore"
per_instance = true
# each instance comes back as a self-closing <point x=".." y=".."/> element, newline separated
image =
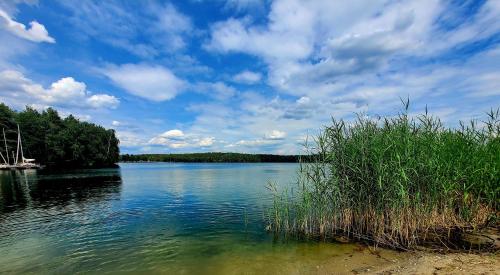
<point x="366" y="260"/>
<point x="427" y="263"/>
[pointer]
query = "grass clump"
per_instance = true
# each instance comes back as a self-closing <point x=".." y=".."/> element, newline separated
<point x="400" y="182"/>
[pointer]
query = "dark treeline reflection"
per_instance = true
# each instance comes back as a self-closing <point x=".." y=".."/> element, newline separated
<point x="20" y="189"/>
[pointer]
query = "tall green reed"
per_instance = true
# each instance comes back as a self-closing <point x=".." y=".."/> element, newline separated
<point x="398" y="181"/>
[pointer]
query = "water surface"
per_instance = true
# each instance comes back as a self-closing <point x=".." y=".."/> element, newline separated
<point x="171" y="218"/>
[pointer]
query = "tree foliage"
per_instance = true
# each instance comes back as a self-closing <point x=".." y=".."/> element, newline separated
<point x="58" y="142"/>
<point x="210" y="157"/>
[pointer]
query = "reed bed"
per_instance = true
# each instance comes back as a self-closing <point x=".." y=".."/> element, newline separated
<point x="400" y="182"/>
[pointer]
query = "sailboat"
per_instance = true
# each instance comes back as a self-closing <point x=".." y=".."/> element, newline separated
<point x="18" y="163"/>
<point x="6" y="161"/>
<point x="23" y="163"/>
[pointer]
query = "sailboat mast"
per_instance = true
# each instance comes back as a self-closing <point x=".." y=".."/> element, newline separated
<point x="18" y="140"/>
<point x="6" y="149"/>
<point x="20" y="144"/>
<point x="5" y="161"/>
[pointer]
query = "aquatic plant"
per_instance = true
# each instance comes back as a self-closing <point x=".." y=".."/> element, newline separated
<point x="400" y="182"/>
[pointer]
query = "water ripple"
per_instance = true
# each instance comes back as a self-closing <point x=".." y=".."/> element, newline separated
<point x="142" y="217"/>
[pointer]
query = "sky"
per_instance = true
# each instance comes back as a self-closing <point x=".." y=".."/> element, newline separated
<point x="254" y="76"/>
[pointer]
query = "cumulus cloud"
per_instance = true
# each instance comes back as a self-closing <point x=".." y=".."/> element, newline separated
<point x="329" y="41"/>
<point x="247" y="77"/>
<point x="276" y="135"/>
<point x="176" y="139"/>
<point x="319" y="59"/>
<point x="18" y="90"/>
<point x="102" y="101"/>
<point x="173" y="134"/>
<point x="302" y="108"/>
<point x="236" y="36"/>
<point x="158" y="83"/>
<point x="330" y="58"/>
<point x="152" y="82"/>
<point x="206" y="142"/>
<point x="271" y="138"/>
<point x="36" y="32"/>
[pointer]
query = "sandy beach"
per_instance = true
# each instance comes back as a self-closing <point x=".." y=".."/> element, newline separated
<point x="429" y="263"/>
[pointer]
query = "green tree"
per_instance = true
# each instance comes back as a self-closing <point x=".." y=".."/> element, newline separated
<point x="58" y="142"/>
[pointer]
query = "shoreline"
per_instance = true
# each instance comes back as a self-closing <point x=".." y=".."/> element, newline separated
<point x="433" y="263"/>
<point x="368" y="260"/>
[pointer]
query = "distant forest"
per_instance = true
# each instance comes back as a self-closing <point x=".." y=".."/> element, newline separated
<point x="210" y="157"/>
<point x="57" y="142"/>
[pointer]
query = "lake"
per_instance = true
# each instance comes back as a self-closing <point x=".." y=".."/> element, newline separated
<point x="172" y="218"/>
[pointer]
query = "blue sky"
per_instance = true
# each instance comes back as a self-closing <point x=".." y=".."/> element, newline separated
<point x="246" y="75"/>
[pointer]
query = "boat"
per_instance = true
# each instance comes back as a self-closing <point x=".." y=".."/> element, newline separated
<point x="25" y="163"/>
<point x="19" y="163"/>
<point x="6" y="161"/>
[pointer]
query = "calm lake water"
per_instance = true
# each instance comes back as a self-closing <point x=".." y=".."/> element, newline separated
<point x="170" y="218"/>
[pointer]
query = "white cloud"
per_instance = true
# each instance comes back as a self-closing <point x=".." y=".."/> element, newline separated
<point x="332" y="58"/>
<point x="294" y="28"/>
<point x="173" y="134"/>
<point x="130" y="139"/>
<point x="321" y="58"/>
<point x="174" y="21"/>
<point x="146" y="29"/>
<point x="276" y="135"/>
<point x="329" y="40"/>
<point x="235" y="36"/>
<point x="301" y="109"/>
<point x="247" y="77"/>
<point x="253" y="143"/>
<point x="206" y="142"/>
<point x="116" y="123"/>
<point x="10" y="6"/>
<point x="64" y="114"/>
<point x="19" y="91"/>
<point x="176" y="139"/>
<point x="151" y="82"/>
<point x="12" y="50"/>
<point x="218" y="90"/>
<point x="36" y="32"/>
<point x="103" y="101"/>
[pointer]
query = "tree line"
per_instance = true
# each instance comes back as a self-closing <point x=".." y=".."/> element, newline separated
<point x="210" y="157"/>
<point x="58" y="142"/>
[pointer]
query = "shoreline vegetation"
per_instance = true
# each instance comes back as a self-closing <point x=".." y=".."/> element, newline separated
<point x="212" y="157"/>
<point x="404" y="182"/>
<point x="59" y="143"/>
